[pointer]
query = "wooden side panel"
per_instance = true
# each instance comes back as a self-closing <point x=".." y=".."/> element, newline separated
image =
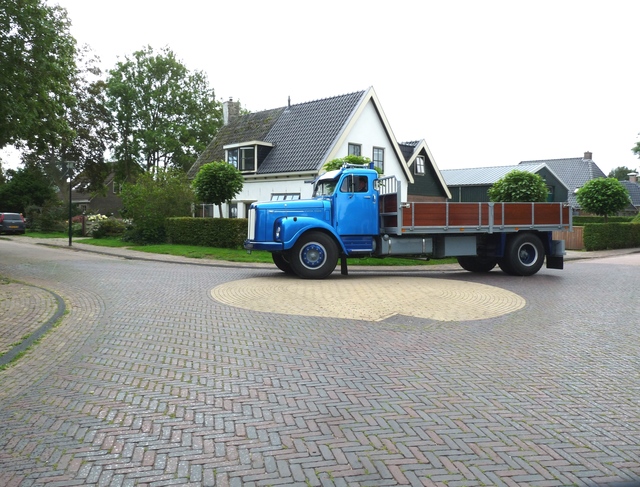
<point x="425" y="215"/>
<point x="515" y="214"/>
<point x="468" y="214"/>
<point x="389" y="204"/>
<point x="549" y="214"/>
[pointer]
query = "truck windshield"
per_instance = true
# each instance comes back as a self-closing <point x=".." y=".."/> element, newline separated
<point x="325" y="187"/>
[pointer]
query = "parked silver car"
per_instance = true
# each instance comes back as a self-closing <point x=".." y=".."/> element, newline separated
<point x="11" y="223"/>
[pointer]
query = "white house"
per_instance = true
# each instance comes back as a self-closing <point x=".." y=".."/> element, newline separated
<point x="279" y="150"/>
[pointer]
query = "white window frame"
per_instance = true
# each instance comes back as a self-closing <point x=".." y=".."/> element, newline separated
<point x="285" y="196"/>
<point x="378" y="163"/>
<point x="420" y="166"/>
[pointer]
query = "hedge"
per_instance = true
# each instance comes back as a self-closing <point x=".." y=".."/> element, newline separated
<point x="602" y="236"/>
<point x="582" y="220"/>
<point x="229" y="233"/>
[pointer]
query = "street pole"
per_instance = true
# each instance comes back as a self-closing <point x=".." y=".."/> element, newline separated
<point x="69" y="168"/>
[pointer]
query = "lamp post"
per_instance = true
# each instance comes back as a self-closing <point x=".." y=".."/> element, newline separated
<point x="70" y="165"/>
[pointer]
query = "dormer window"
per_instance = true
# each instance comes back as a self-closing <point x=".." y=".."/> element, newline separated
<point x="244" y="156"/>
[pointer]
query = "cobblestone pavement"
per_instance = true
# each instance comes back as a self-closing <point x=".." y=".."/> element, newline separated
<point x="154" y="377"/>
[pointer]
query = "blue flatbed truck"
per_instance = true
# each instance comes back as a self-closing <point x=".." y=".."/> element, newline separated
<point x="356" y="213"/>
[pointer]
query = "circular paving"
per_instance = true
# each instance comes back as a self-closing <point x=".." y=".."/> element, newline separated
<point x="370" y="298"/>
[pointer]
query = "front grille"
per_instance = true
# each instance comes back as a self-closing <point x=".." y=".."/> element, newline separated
<point x="251" y="235"/>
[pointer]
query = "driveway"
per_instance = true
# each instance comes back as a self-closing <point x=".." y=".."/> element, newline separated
<point x="166" y="373"/>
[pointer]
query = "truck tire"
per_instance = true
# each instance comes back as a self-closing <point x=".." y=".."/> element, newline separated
<point x="282" y="262"/>
<point x="523" y="256"/>
<point x="475" y="263"/>
<point x="314" y="256"/>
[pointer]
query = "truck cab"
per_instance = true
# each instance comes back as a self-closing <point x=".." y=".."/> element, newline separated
<point x="306" y="237"/>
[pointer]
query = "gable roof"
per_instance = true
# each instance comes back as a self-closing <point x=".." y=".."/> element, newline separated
<point x="303" y="136"/>
<point x="634" y="192"/>
<point x="573" y="172"/>
<point x="253" y="126"/>
<point x="482" y="176"/>
<point x="303" y="133"/>
<point x="411" y="150"/>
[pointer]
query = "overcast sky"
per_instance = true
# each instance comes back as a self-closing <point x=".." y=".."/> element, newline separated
<point x="485" y="83"/>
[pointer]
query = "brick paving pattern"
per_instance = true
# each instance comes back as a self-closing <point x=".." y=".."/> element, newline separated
<point x="151" y="381"/>
<point x="23" y="309"/>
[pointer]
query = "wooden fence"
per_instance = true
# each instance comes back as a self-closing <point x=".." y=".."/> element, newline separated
<point x="572" y="240"/>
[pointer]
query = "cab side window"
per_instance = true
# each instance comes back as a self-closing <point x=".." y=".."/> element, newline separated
<point x="355" y="184"/>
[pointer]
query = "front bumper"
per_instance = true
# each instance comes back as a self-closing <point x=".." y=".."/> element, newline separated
<point x="268" y="246"/>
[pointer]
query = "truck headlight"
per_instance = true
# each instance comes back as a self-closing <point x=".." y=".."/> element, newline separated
<point x="277" y="232"/>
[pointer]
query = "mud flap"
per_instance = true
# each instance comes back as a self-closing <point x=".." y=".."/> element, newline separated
<point x="555" y="262"/>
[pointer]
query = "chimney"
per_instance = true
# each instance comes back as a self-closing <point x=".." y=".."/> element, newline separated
<point x="633" y="177"/>
<point x="230" y="110"/>
<point x="588" y="156"/>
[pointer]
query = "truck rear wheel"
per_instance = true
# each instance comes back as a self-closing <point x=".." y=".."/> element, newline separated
<point x="524" y="255"/>
<point x="314" y="256"/>
<point x="475" y="263"/>
<point x="282" y="262"/>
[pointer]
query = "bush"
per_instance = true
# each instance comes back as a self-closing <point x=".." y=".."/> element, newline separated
<point x="603" y="236"/>
<point x="519" y="186"/>
<point x="106" y="227"/>
<point x="583" y="220"/>
<point x="603" y="196"/>
<point x="208" y="232"/>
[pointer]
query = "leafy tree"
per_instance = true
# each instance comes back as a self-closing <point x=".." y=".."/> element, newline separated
<point x="603" y="197"/>
<point x="621" y="173"/>
<point x="26" y="186"/>
<point x="517" y="186"/>
<point x="36" y="61"/>
<point x="165" y="115"/>
<point x="151" y="199"/>
<point x="217" y="182"/>
<point x="92" y="124"/>
<point x="334" y="164"/>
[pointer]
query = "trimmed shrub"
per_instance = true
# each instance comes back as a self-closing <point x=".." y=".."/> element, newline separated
<point x="208" y="232"/>
<point x="603" y="236"/>
<point x="582" y="220"/>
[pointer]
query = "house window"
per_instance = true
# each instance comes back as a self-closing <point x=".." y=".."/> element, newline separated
<point x="355" y="149"/>
<point x="420" y="167"/>
<point x="284" y="196"/>
<point x="233" y="210"/>
<point x="243" y="158"/>
<point x="378" y="158"/>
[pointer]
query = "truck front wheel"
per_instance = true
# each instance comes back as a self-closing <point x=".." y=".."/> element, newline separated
<point x="474" y="263"/>
<point x="523" y="256"/>
<point x="282" y="262"/>
<point x="314" y="256"/>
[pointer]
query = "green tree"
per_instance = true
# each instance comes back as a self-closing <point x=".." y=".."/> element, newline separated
<point x="603" y="197"/>
<point x="152" y="199"/>
<point x="92" y="124"/>
<point x="165" y="115"/>
<point x="518" y="186"/>
<point x="217" y="182"/>
<point x="36" y="61"/>
<point x="26" y="186"/>
<point x="621" y="173"/>
<point x="334" y="164"/>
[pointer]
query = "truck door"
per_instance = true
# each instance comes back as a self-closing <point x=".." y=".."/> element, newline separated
<point x="356" y="209"/>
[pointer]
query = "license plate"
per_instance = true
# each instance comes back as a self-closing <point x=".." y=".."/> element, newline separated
<point x="13" y="226"/>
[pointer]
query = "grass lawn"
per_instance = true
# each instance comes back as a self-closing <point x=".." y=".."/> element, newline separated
<point x="230" y="255"/>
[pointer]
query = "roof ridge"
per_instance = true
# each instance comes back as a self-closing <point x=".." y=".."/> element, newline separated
<point x="329" y="98"/>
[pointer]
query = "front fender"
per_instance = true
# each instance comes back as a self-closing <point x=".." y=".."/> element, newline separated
<point x="292" y="227"/>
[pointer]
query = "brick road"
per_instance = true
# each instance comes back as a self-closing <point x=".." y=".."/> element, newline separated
<point x="154" y="378"/>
